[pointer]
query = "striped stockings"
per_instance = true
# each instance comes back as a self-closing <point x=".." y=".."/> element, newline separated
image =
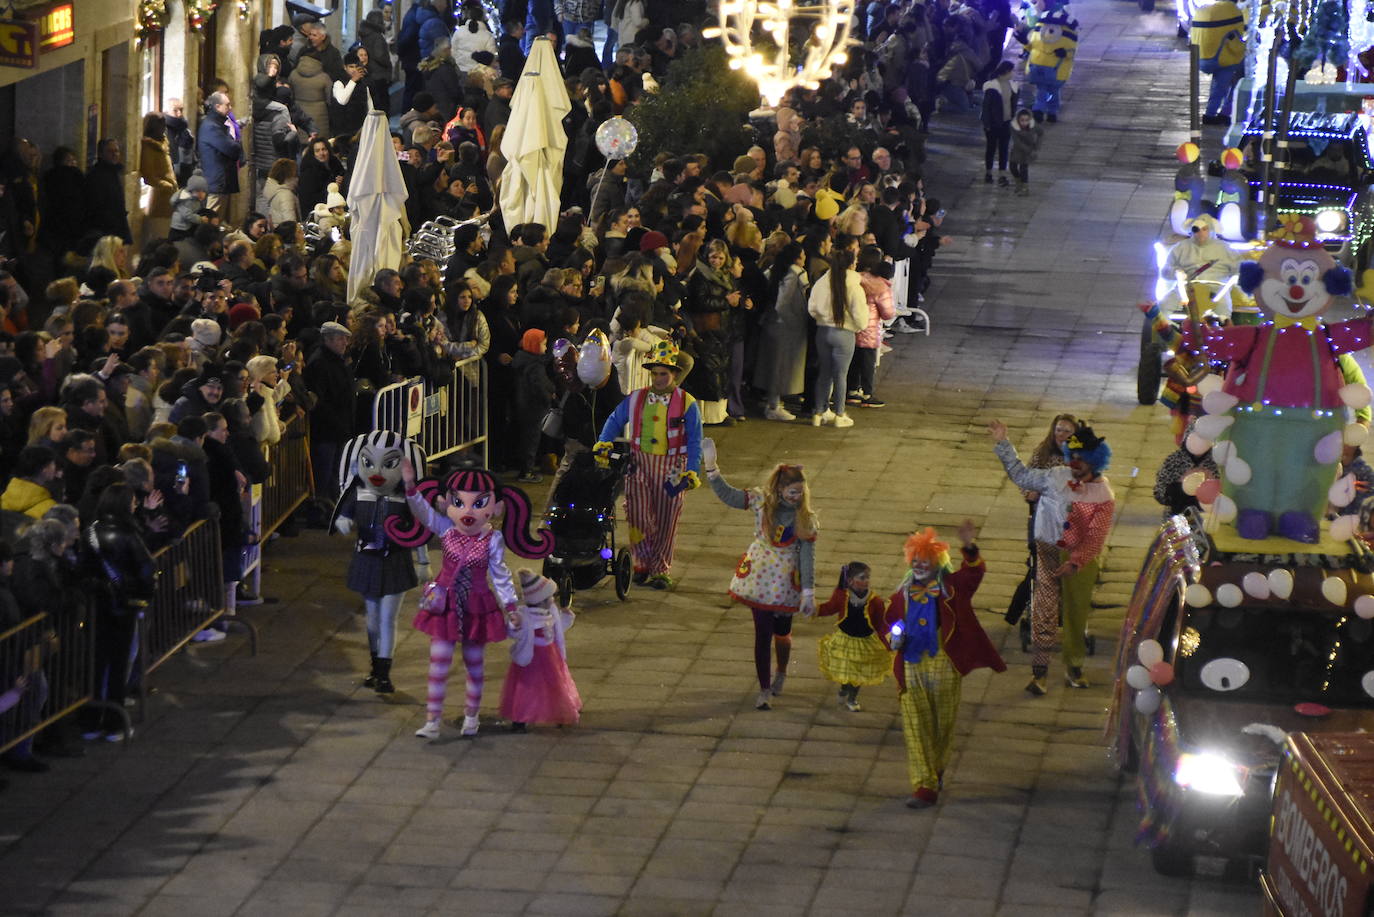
<point x="440" y="661"/>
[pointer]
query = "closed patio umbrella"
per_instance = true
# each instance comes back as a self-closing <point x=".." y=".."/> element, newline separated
<point x="535" y="143"/>
<point x="376" y="204"/>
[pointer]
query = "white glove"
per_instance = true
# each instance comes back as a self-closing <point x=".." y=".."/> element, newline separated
<point x="343" y="525"/>
<point x="910" y="239"/>
<point x="708" y="454"/>
<point x="808" y="603"/>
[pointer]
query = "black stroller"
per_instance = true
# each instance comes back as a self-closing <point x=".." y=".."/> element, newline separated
<point x="582" y="515"/>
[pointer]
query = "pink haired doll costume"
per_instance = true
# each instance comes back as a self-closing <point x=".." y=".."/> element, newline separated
<point x="468" y="603"/>
<point x="538" y="686"/>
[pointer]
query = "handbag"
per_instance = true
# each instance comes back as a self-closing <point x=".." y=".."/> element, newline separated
<point x="433" y="598"/>
<point x="552" y="424"/>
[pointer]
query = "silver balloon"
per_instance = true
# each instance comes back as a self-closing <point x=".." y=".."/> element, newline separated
<point x="616" y="138"/>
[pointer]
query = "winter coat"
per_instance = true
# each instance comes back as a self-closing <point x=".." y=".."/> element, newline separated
<point x="628" y="18"/>
<point x="408" y="39"/>
<point x="534" y="389"/>
<point x="64" y="207"/>
<point x="509" y="58"/>
<point x="191" y="404"/>
<point x="273" y="138"/>
<point x="331" y="382"/>
<point x="878" y="293"/>
<point x="855" y="316"/>
<point x="122" y="556"/>
<point x="220" y="154"/>
<point x="27" y="497"/>
<point x="1025" y="142"/>
<point x="781" y="366"/>
<point x="155" y="168"/>
<point x="311" y="87"/>
<point x="348" y="107"/>
<point x="467" y="42"/>
<point x="315" y="177"/>
<point x="104" y="208"/>
<point x="372" y="36"/>
<point x="432" y="32"/>
<point x="583" y="12"/>
<point x="442" y="80"/>
<point x="282" y="205"/>
<point x="999" y="103"/>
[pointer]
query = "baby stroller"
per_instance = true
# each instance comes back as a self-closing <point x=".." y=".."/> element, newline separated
<point x="581" y="516"/>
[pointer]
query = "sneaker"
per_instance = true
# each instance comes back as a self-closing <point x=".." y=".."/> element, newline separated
<point x="660" y="581"/>
<point x="887" y="336"/>
<point x="922" y="799"/>
<point x="1002" y="180"/>
<point x="762" y="701"/>
<point x="209" y="635"/>
<point x="779" y="413"/>
<point x="843" y="420"/>
<point x="1036" y="686"/>
<point x="855" y="399"/>
<point x="119" y="735"/>
<point x="906" y="328"/>
<point x="871" y="402"/>
<point x="470" y="725"/>
<point x="823" y="418"/>
<point x="904" y="311"/>
<point x="852" y="704"/>
<point x="530" y="477"/>
<point x="1074" y="679"/>
<point x="779" y="680"/>
<point x="885" y="348"/>
<point x="430" y="730"/>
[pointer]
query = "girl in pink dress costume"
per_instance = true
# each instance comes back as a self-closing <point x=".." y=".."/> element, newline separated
<point x="478" y="597"/>
<point x="538" y="687"/>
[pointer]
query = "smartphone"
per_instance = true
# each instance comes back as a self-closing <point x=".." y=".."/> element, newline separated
<point x="183" y="474"/>
<point x="940" y="214"/>
<point x="287" y="367"/>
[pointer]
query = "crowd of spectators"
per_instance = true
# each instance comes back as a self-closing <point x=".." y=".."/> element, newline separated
<point x="142" y="386"/>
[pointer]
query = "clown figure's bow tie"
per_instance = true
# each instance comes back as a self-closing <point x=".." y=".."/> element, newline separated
<point x="1308" y="322"/>
<point x="920" y="592"/>
<point x="658" y="399"/>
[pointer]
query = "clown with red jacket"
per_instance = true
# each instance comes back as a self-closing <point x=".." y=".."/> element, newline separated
<point x="664" y="429"/>
<point x="938" y="640"/>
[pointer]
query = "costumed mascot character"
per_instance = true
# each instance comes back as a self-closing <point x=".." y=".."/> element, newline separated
<point x="1053" y="44"/>
<point x="1279" y="419"/>
<point x="664" y="425"/>
<point x="472" y="600"/>
<point x="1190" y="189"/>
<point x="381" y="571"/>
<point x="1234" y="208"/>
<point x="1218" y="30"/>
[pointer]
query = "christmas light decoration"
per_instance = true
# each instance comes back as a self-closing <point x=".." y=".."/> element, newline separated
<point x="153" y="17"/>
<point x="198" y="13"/>
<point x="772" y="66"/>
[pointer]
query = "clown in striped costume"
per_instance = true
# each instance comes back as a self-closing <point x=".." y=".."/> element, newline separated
<point x="664" y="429"/>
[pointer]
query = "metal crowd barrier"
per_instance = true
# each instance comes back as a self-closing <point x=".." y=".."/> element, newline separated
<point x="291" y="482"/>
<point x="57" y="656"/>
<point x="442" y="419"/>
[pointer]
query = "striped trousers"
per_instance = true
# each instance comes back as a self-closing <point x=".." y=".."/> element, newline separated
<point x="651" y="513"/>
<point x="929" y="706"/>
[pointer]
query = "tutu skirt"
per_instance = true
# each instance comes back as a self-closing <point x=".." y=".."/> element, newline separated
<point x="847" y="660"/>
<point x="541" y="692"/>
<point x="480" y="623"/>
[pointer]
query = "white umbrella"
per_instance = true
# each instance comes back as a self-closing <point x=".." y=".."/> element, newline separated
<point x="534" y="142"/>
<point x="376" y="204"/>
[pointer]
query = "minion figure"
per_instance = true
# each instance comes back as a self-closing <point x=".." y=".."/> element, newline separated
<point x="1052" y="44"/>
<point x="1218" y="30"/>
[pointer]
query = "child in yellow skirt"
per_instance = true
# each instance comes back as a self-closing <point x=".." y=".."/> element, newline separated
<point x="854" y="654"/>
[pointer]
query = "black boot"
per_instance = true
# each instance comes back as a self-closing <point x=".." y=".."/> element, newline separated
<point x="381" y="668"/>
<point x="371" y="680"/>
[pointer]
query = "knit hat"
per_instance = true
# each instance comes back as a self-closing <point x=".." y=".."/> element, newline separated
<point x="652" y="241"/>
<point x="335" y="199"/>
<point x="206" y="332"/>
<point x="196" y="183"/>
<point x="665" y="353"/>
<point x="243" y="312"/>
<point x="535" y="589"/>
<point x="532" y="341"/>
<point x="744" y="164"/>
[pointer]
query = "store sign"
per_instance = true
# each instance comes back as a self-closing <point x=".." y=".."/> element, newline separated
<point x="56" y="27"/>
<point x="18" y="43"/>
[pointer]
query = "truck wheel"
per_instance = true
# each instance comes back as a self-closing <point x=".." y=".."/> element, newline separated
<point x="1170" y="859"/>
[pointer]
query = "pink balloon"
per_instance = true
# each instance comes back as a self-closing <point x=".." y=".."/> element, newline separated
<point x="1161" y="673"/>
<point x="1208" y="490"/>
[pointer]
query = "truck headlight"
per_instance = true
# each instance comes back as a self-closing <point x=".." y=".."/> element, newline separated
<point x="1330" y="220"/>
<point x="1211" y="774"/>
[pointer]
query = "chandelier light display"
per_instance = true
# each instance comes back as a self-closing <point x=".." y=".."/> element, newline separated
<point x="772" y="65"/>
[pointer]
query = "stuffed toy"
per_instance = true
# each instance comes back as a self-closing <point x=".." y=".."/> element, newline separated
<point x="1218" y="29"/>
<point x="1053" y="43"/>
<point x="1277" y="423"/>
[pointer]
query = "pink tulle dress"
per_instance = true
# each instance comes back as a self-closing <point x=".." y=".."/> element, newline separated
<point x="539" y="688"/>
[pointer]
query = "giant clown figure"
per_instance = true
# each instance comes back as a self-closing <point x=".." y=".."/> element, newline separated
<point x="1279" y="419"/>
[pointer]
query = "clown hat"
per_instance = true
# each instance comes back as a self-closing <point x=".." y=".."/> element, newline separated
<point x="925" y="546"/>
<point x="665" y="353"/>
<point x="535" y="589"/>
<point x="1089" y="447"/>
<point x="1295" y="231"/>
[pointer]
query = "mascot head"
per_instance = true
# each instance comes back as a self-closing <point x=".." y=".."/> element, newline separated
<point x="373" y="462"/>
<point x="1295" y="277"/>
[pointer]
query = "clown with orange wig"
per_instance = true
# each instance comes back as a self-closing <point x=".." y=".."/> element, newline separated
<point x="938" y="640"/>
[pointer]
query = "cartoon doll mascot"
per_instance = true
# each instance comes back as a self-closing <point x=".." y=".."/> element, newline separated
<point x="1052" y="45"/>
<point x="381" y="569"/>
<point x="1279" y="419"/>
<point x="472" y="600"/>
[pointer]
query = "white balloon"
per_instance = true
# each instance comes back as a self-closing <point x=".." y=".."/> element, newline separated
<point x="1149" y="652"/>
<point x="1138" y="677"/>
<point x="1192" y="481"/>
<point x="1197" y="444"/>
<point x="1355" y="395"/>
<point x="1229" y="595"/>
<point x="1147" y="700"/>
<point x="1212" y="425"/>
<point x="1355" y="434"/>
<point x="1197" y="595"/>
<point x="1238" y="471"/>
<point x="1343" y="491"/>
<point x="1364" y="606"/>
<point x="1280" y="582"/>
<point x="1224" y="508"/>
<point x="1255" y="584"/>
<point x="1328" y="448"/>
<point x="1333" y="590"/>
<point x="1223" y="452"/>
<point x="1343" y="527"/>
<point x="1218" y="402"/>
<point x="1209" y="383"/>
